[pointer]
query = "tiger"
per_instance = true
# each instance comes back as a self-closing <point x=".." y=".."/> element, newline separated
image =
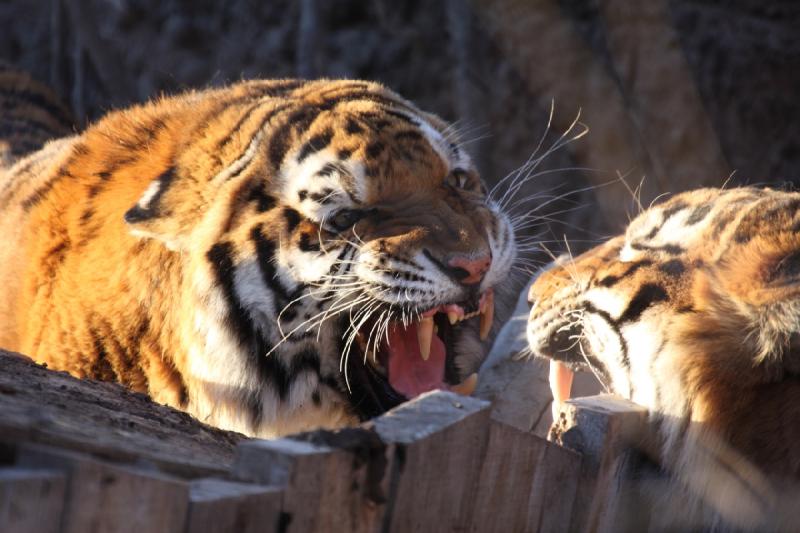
<point x="271" y="256"/>
<point x="693" y="313"/>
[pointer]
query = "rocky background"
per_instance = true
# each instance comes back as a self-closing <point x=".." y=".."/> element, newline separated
<point x="676" y="93"/>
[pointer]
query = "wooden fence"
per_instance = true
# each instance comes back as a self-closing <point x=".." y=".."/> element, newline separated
<point x="72" y="460"/>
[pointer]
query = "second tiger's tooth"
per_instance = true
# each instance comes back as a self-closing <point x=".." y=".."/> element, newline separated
<point x="452" y="316"/>
<point x="487" y="315"/>
<point x="424" y="337"/>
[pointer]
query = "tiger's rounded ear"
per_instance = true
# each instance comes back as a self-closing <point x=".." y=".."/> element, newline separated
<point x="172" y="207"/>
<point x="765" y="271"/>
<point x="755" y="288"/>
<point x="157" y="214"/>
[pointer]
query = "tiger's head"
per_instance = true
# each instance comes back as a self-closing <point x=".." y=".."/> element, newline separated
<point x="694" y="313"/>
<point x="342" y="240"/>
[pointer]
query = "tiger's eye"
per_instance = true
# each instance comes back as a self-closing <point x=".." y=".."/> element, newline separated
<point x="346" y="218"/>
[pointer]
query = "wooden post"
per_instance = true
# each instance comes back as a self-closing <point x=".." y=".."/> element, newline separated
<point x="31" y="501"/>
<point x="525" y="483"/>
<point x="217" y="506"/>
<point x="330" y="480"/>
<point x="106" y="497"/>
<point x="602" y="428"/>
<point x="436" y="443"/>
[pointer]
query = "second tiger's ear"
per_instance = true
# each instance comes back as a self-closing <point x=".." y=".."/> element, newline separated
<point x="761" y="281"/>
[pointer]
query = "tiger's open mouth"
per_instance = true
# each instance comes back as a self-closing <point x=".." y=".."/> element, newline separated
<point x="416" y="357"/>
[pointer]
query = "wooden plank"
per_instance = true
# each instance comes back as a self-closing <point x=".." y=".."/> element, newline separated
<point x="330" y="480"/>
<point x="217" y="506"/>
<point x="525" y="483"/>
<point x="437" y="443"/>
<point x="101" y="496"/>
<point x="601" y="428"/>
<point x="31" y="501"/>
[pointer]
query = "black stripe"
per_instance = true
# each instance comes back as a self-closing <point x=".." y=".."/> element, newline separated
<point x="247" y="114"/>
<point x="671" y="211"/>
<point x="265" y="252"/>
<point x="614" y="326"/>
<point x="402" y="116"/>
<point x="101" y="367"/>
<point x="374" y="149"/>
<point x="611" y="280"/>
<point x="299" y="120"/>
<point x="221" y="258"/>
<point x="327" y="169"/>
<point x="315" y="144"/>
<point x="292" y="218"/>
<point x="647" y="295"/>
<point x="673" y="267"/>
<point x="41" y="193"/>
<point x="302" y="118"/>
<point x="306" y="245"/>
<point x="263" y="201"/>
<point x="699" y="213"/>
<point x="352" y="126"/>
<point x="411" y="135"/>
<point x="239" y="322"/>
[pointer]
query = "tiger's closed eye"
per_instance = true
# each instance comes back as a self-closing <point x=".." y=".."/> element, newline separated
<point x="345" y="218"/>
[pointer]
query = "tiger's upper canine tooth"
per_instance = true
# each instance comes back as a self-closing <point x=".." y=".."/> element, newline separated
<point x="466" y="387"/>
<point x="424" y="336"/>
<point x="452" y="316"/>
<point x="487" y="314"/>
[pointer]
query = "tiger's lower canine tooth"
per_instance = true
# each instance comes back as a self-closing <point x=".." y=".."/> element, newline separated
<point x="452" y="316"/>
<point x="487" y="315"/>
<point x="466" y="387"/>
<point x="424" y="336"/>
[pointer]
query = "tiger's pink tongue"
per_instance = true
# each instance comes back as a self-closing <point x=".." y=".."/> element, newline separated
<point x="409" y="373"/>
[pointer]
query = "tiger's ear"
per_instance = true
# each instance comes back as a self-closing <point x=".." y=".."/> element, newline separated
<point x="172" y="207"/>
<point x="761" y="279"/>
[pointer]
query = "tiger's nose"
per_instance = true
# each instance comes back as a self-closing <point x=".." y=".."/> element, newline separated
<point x="469" y="270"/>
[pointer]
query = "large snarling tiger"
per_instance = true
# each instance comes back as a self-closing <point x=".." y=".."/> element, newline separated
<point x="694" y="313"/>
<point x="272" y="256"/>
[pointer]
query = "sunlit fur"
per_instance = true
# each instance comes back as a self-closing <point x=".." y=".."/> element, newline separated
<point x="188" y="247"/>
<point x="695" y="313"/>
